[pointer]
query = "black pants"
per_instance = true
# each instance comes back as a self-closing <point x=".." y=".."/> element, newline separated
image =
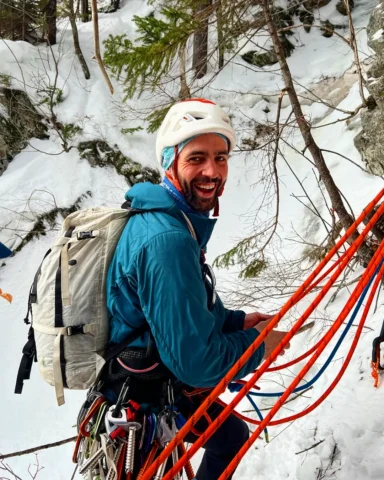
<point x="222" y="446"/>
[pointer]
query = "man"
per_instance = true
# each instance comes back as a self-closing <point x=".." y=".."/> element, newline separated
<point x="158" y="274"/>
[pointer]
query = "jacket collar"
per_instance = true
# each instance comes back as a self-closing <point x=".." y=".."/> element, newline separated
<point x="150" y="197"/>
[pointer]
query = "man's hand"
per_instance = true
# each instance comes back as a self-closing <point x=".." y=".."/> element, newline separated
<point x="260" y="321"/>
<point x="252" y="319"/>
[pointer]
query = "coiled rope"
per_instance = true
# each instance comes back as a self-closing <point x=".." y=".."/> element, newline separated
<point x="375" y="266"/>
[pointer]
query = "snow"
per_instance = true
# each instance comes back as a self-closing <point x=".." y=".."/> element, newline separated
<point x="378" y="35"/>
<point x="349" y="423"/>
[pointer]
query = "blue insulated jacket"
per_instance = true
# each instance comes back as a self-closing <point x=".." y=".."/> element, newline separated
<point x="155" y="276"/>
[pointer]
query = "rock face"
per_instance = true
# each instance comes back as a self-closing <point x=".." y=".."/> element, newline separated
<point x="370" y="141"/>
<point x="341" y="7"/>
<point x="99" y="153"/>
<point x="19" y="122"/>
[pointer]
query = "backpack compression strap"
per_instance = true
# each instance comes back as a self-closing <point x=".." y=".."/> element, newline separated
<point x="29" y="349"/>
<point x="29" y="355"/>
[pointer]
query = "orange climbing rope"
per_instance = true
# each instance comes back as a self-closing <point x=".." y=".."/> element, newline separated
<point x="316" y="351"/>
<point x="229" y="409"/>
<point x="336" y="325"/>
<point x="338" y="376"/>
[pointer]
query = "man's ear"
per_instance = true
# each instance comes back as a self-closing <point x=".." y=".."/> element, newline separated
<point x="171" y="174"/>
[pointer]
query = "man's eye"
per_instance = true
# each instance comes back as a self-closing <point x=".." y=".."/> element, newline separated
<point x="221" y="159"/>
<point x="196" y="159"/>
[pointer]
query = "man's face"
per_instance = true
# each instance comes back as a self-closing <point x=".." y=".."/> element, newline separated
<point x="202" y="170"/>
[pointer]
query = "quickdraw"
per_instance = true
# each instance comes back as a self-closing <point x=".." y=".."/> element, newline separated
<point x="121" y="441"/>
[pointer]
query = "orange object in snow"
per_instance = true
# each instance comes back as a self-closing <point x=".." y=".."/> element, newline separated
<point x="6" y="296"/>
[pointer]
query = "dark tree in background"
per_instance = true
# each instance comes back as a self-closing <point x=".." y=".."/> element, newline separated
<point x="19" y="20"/>
<point x="200" y="40"/>
<point x="84" y="11"/>
<point x="49" y="11"/>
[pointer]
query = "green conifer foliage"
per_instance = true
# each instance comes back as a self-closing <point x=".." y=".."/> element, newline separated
<point x="143" y="64"/>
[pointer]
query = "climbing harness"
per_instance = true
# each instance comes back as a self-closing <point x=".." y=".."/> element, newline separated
<point x="370" y="279"/>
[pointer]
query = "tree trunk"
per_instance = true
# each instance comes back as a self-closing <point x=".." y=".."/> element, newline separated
<point x="200" y="41"/>
<point x="326" y="177"/>
<point x="50" y="21"/>
<point x="76" y="43"/>
<point x="184" y="89"/>
<point x="24" y="32"/>
<point x="220" y="36"/>
<point x="84" y="11"/>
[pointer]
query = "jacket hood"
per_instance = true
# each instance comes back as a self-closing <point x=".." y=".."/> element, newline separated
<point x="150" y="197"/>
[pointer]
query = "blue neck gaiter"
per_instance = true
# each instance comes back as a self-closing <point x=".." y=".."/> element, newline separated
<point x="180" y="199"/>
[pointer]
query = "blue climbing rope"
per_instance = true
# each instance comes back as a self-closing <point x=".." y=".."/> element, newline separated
<point x="236" y="387"/>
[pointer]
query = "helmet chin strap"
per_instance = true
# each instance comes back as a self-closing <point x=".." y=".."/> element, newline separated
<point x="216" y="211"/>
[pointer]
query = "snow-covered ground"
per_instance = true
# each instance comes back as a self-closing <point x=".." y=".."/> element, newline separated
<point x="36" y="181"/>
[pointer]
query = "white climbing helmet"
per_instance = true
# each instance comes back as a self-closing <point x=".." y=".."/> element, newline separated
<point x="193" y="117"/>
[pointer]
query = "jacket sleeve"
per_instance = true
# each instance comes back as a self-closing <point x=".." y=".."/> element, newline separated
<point x="234" y="320"/>
<point x="173" y="299"/>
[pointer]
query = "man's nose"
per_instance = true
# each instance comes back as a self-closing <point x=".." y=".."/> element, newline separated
<point x="210" y="168"/>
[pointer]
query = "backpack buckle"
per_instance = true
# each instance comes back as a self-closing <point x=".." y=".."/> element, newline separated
<point x="85" y="235"/>
<point x="74" y="330"/>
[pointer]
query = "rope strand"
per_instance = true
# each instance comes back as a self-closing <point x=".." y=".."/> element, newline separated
<point x="306" y="287"/>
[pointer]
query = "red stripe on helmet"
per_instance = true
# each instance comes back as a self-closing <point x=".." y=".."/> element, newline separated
<point x="202" y="100"/>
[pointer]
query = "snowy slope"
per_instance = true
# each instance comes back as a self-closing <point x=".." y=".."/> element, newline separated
<point x="352" y="417"/>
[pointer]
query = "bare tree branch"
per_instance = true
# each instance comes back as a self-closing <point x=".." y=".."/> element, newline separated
<point x="97" y="45"/>
<point x="310" y="448"/>
<point x="353" y="44"/>
<point x="36" y="449"/>
<point x="305" y="130"/>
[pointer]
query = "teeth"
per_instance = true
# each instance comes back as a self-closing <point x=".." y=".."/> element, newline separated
<point x="206" y="186"/>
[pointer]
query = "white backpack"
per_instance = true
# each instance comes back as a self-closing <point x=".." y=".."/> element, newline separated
<point x="68" y="302"/>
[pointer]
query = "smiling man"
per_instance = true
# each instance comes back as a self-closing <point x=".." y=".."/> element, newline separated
<point x="158" y="276"/>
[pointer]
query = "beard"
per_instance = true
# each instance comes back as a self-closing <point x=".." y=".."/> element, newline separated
<point x="196" y="200"/>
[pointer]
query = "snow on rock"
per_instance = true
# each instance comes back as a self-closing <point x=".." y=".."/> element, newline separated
<point x="378" y="35"/>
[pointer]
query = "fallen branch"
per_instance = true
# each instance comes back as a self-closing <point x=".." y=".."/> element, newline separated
<point x="40" y="447"/>
<point x="309" y="448"/>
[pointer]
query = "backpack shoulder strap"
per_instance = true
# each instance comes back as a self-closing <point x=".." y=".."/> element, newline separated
<point x="190" y="226"/>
